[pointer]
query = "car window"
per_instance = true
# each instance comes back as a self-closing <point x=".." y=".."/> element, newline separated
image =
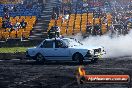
<point x="58" y="44"/>
<point x="47" y="44"/>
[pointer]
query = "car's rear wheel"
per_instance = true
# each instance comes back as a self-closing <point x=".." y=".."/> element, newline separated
<point x="40" y="58"/>
<point x="78" y="57"/>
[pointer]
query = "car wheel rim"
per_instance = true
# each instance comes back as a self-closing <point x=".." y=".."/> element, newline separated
<point x="77" y="57"/>
<point x="39" y="57"/>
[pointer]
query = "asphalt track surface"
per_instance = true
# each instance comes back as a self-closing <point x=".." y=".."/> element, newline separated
<point x="28" y="74"/>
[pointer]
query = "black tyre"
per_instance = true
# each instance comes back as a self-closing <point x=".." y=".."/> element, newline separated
<point x="94" y="60"/>
<point x="40" y="58"/>
<point x="78" y="57"/>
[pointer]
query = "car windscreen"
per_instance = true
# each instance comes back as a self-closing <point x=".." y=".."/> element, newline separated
<point x="66" y="41"/>
<point x="72" y="42"/>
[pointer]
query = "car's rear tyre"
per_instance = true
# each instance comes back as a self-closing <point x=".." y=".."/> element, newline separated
<point x="94" y="60"/>
<point x="40" y="58"/>
<point x="78" y="57"/>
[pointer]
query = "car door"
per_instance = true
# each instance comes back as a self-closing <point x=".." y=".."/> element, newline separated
<point x="47" y="49"/>
<point x="61" y="51"/>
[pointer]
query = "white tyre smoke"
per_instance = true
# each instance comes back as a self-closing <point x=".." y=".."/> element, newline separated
<point x="114" y="47"/>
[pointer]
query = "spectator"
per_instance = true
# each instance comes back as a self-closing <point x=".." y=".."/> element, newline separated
<point x="5" y="9"/>
<point x="54" y="32"/>
<point x="15" y="9"/>
<point x="6" y="17"/>
<point x="22" y="2"/>
<point x="89" y="29"/>
<point x="9" y="25"/>
<point x="57" y="10"/>
<point x="96" y="30"/>
<point x="44" y="2"/>
<point x="4" y="24"/>
<point x="65" y="18"/>
<point x="104" y="19"/>
<point x="16" y="26"/>
<point x="54" y="16"/>
<point x="23" y="24"/>
<point x="29" y="5"/>
<point x="5" y="20"/>
<point x="10" y="8"/>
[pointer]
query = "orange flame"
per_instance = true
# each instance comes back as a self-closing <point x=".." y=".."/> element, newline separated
<point x="81" y="71"/>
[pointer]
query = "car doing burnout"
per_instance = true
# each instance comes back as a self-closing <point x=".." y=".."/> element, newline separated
<point x="64" y="49"/>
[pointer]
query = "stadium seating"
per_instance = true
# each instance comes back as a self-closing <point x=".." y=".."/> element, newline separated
<point x="22" y="10"/>
<point x="5" y="35"/>
<point x="109" y="18"/>
<point x="25" y="34"/>
<point x="63" y="30"/>
<point x="97" y="21"/>
<point x="52" y="23"/>
<point x="0" y="19"/>
<point x="59" y="22"/>
<point x="78" y="23"/>
<point x="104" y="28"/>
<point x="70" y="31"/>
<point x="71" y="23"/>
<point x="79" y="18"/>
<point x="64" y="23"/>
<point x="12" y="34"/>
<point x="1" y="34"/>
<point x="20" y="33"/>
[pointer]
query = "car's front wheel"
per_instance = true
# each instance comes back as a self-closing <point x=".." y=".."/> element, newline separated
<point x="40" y="58"/>
<point x="78" y="57"/>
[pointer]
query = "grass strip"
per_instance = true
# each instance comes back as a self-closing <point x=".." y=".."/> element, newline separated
<point x="13" y="49"/>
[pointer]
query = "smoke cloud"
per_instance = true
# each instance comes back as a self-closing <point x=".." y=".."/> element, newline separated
<point x="118" y="46"/>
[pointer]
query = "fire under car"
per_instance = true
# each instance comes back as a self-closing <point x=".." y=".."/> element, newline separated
<point x="64" y="49"/>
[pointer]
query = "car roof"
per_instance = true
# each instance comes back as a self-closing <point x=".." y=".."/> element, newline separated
<point x="53" y="39"/>
<point x="58" y="39"/>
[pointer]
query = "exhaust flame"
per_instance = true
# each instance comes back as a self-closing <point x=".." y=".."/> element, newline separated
<point x="81" y="71"/>
<point x="84" y="78"/>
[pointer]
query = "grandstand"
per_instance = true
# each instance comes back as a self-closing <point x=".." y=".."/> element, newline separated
<point x="77" y="23"/>
<point x="21" y="32"/>
<point x="10" y="1"/>
<point x="37" y="17"/>
<point x="81" y="16"/>
<point x="73" y="16"/>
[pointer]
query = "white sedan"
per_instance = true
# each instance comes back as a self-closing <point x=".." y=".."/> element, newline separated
<point x="64" y="49"/>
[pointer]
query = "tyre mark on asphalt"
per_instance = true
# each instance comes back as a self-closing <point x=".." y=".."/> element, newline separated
<point x="32" y="78"/>
<point x="68" y="84"/>
<point x="29" y="80"/>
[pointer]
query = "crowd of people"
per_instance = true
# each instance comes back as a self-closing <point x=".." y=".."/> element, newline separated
<point x="24" y="8"/>
<point x="121" y="22"/>
<point x="6" y="23"/>
<point x="15" y="8"/>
